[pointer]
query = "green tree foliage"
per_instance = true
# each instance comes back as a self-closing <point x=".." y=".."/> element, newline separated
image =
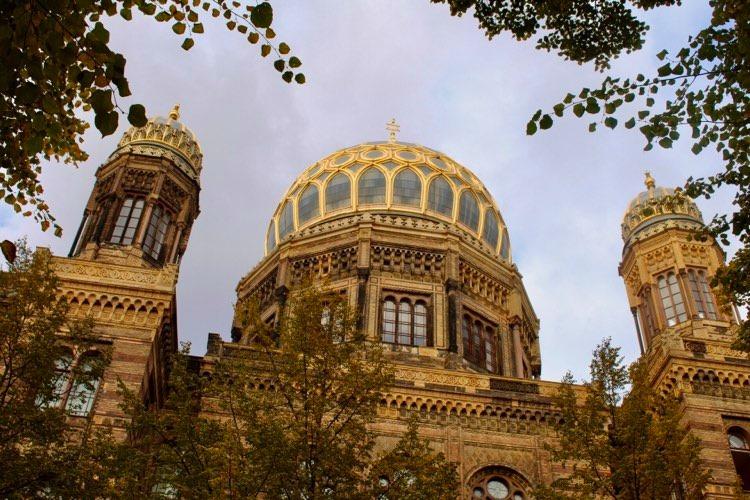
<point x="620" y="443"/>
<point x="412" y="471"/>
<point x="36" y="452"/>
<point x="56" y="61"/>
<point x="700" y="91"/>
<point x="285" y="416"/>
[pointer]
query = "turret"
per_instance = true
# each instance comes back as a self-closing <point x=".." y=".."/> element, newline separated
<point x="145" y="199"/>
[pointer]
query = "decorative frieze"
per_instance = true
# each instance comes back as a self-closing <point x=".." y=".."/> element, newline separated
<point x="481" y="285"/>
<point x="172" y="194"/>
<point x="136" y="179"/>
<point x="336" y="264"/>
<point x="263" y="292"/>
<point x="413" y="263"/>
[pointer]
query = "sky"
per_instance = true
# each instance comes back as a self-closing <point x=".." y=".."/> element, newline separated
<point x="562" y="192"/>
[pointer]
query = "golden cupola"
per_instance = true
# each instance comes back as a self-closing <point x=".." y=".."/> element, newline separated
<point x="391" y="178"/>
<point x="657" y="208"/>
<point x="168" y="138"/>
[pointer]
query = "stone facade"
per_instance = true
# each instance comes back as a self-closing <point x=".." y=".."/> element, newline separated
<point x="417" y="245"/>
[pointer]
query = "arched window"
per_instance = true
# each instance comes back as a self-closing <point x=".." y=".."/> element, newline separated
<point x="405" y="321"/>
<point x="286" y="221"/>
<point x="671" y="299"/>
<point x="498" y="483"/>
<point x="127" y="221"/>
<point x="479" y="342"/>
<point x="389" y="320"/>
<point x="407" y="189"/>
<point x="440" y="196"/>
<point x="738" y="445"/>
<point x="271" y="237"/>
<point x="490" y="230"/>
<point x="371" y="187"/>
<point x="83" y="392"/>
<point x="468" y="211"/>
<point x="156" y="232"/>
<point x="505" y="246"/>
<point x="308" y="205"/>
<point x="338" y="192"/>
<point x="703" y="299"/>
<point x="59" y="381"/>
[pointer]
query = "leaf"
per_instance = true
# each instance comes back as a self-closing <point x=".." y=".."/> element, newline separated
<point x="665" y="142"/>
<point x="101" y="101"/>
<point x="630" y="123"/>
<point x="579" y="110"/>
<point x="253" y="37"/>
<point x="279" y="64"/>
<point x="545" y="122"/>
<point x="99" y="34"/>
<point x="198" y="28"/>
<point x="137" y="115"/>
<point x="664" y="70"/>
<point x="9" y="250"/>
<point x="188" y="43"/>
<point x="294" y="62"/>
<point x="299" y="78"/>
<point x="126" y="14"/>
<point x="265" y="49"/>
<point x="106" y="123"/>
<point x="262" y="15"/>
<point x="531" y="128"/>
<point x="661" y="55"/>
<point x="610" y="122"/>
<point x="178" y="28"/>
<point x="287" y="76"/>
<point x="284" y="49"/>
<point x="559" y="109"/>
<point x="592" y="127"/>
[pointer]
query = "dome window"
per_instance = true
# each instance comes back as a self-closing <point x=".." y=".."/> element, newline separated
<point x="371" y="187"/>
<point x="505" y="246"/>
<point x="671" y="299"/>
<point x="489" y="230"/>
<point x="308" y="205"/>
<point x="338" y="192"/>
<point x="468" y="213"/>
<point x="440" y="197"/>
<point x="407" y="189"/>
<point x="127" y="221"/>
<point x="286" y="221"/>
<point x="271" y="238"/>
<point x="156" y="233"/>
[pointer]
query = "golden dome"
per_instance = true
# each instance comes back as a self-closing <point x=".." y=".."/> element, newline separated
<point x="655" y="206"/>
<point x="165" y="137"/>
<point x="391" y="177"/>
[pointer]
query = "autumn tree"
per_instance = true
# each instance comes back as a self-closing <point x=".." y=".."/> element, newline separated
<point x="622" y="440"/>
<point x="701" y="91"/>
<point x="56" y="63"/>
<point x="36" y="451"/>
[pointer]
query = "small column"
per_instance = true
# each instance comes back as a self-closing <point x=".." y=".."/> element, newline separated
<point x="451" y="290"/>
<point x="363" y="277"/>
<point x="517" y="350"/>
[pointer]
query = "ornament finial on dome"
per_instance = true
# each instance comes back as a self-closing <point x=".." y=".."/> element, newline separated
<point x="392" y="127"/>
<point x="175" y="113"/>
<point x="650" y="183"/>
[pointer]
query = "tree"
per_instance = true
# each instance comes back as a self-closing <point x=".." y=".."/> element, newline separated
<point x="37" y="452"/>
<point x="704" y="89"/>
<point x="623" y="445"/>
<point x="56" y="61"/>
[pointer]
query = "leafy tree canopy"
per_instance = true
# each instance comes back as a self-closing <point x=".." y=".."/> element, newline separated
<point x="56" y="62"/>
<point x="620" y="443"/>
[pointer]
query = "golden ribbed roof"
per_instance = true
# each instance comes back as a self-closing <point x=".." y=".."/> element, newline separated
<point x="166" y="137"/>
<point x="390" y="177"/>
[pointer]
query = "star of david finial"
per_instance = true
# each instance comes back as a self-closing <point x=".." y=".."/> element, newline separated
<point x="650" y="183"/>
<point x="392" y="127"/>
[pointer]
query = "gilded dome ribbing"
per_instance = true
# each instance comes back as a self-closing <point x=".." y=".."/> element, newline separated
<point x="388" y="177"/>
<point x="657" y="205"/>
<point x="165" y="137"/>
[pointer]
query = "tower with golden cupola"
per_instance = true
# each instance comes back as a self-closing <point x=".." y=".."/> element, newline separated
<point x="685" y="330"/>
<point x="123" y="266"/>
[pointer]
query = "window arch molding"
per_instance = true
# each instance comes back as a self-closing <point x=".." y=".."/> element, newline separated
<point x="469" y="213"/>
<point x="497" y="482"/>
<point x="407" y="189"/>
<point x="307" y="204"/>
<point x="372" y="187"/>
<point x="337" y="196"/>
<point x="491" y="228"/>
<point x="441" y="197"/>
<point x="738" y="440"/>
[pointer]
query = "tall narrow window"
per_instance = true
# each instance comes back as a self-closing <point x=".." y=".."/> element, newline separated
<point x="505" y="246"/>
<point x="490" y="352"/>
<point x="703" y="298"/>
<point x="440" y="197"/>
<point x="338" y="192"/>
<point x="389" y="320"/>
<point x="404" y="322"/>
<point x="490" y="230"/>
<point x="156" y="232"/>
<point x="647" y="316"/>
<point x="127" y="221"/>
<point x="59" y="382"/>
<point x="371" y="187"/>
<point x="271" y="237"/>
<point x="286" y="221"/>
<point x="407" y="189"/>
<point x="671" y="299"/>
<point x="420" y="324"/>
<point x="83" y="391"/>
<point x="480" y="343"/>
<point x="468" y="211"/>
<point x="308" y="205"/>
<point x="738" y="445"/>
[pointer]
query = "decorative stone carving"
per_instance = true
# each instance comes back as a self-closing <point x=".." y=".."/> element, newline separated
<point x="172" y="194"/>
<point x="408" y="262"/>
<point x="339" y="263"/>
<point x="138" y="180"/>
<point x="264" y="291"/>
<point x="481" y="285"/>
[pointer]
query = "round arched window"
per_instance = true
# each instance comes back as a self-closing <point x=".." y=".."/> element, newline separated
<point x="737" y="439"/>
<point x="498" y="483"/>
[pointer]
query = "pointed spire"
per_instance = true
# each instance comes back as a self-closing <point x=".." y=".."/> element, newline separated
<point x="175" y="113"/>
<point x="650" y="183"/>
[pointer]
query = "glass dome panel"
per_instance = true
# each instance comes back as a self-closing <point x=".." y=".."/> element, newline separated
<point x="440" y="197"/>
<point x="271" y="237"/>
<point x="490" y="230"/>
<point x="308" y="205"/>
<point x="338" y="192"/>
<point x="371" y="187"/>
<point x="505" y="247"/>
<point x="286" y="221"/>
<point x="468" y="212"/>
<point x="407" y="189"/>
